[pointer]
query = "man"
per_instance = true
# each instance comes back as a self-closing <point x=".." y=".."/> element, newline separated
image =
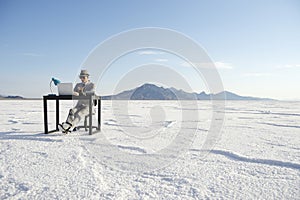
<point x="81" y="109"/>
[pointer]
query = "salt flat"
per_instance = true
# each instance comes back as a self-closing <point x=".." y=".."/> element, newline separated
<point x="257" y="155"/>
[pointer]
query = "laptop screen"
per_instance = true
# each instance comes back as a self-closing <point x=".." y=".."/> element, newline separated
<point x="65" y="89"/>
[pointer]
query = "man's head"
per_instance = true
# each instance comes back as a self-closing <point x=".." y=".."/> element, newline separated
<point x="84" y="76"/>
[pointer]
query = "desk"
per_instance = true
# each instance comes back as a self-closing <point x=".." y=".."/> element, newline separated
<point x="91" y="98"/>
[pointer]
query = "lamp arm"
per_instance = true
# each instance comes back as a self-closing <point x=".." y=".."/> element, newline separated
<point x="51" y="87"/>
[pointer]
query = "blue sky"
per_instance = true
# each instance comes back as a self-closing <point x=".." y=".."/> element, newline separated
<point x="255" y="44"/>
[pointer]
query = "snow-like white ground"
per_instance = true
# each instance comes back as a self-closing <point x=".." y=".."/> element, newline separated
<point x="257" y="155"/>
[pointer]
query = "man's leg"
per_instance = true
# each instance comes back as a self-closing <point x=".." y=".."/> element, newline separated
<point x="68" y="125"/>
<point x="78" y="115"/>
<point x="71" y="115"/>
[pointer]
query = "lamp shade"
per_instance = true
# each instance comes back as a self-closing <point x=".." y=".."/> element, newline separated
<point x="55" y="81"/>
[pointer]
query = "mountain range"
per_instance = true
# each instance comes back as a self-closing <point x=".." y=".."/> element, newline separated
<point x="153" y="92"/>
<point x="10" y="97"/>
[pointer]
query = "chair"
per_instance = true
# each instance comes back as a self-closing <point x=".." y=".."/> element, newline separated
<point x="85" y="123"/>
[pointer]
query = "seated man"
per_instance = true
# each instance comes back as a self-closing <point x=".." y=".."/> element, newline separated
<point x="82" y="107"/>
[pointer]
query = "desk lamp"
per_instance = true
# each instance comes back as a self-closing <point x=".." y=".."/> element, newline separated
<point x="56" y="82"/>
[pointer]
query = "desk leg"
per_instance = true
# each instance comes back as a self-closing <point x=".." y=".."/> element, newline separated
<point x="99" y="114"/>
<point x="90" y="115"/>
<point x="45" y="115"/>
<point x="57" y="114"/>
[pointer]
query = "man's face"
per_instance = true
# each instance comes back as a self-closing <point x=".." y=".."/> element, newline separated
<point x="84" y="79"/>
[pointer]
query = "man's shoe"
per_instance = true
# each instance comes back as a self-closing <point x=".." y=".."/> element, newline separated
<point x="65" y="127"/>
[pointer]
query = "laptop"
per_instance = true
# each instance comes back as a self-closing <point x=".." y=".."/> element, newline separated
<point x="65" y="89"/>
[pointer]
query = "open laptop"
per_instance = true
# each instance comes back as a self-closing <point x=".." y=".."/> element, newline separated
<point x="65" y="89"/>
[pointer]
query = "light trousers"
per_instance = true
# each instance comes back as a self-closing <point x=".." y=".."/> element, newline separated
<point x="76" y="114"/>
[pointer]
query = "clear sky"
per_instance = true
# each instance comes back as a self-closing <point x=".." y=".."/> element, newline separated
<point x="255" y="44"/>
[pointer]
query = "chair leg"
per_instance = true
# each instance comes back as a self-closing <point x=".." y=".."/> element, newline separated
<point x="85" y="123"/>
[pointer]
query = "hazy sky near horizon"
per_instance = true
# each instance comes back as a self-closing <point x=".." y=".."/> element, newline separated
<point x="255" y="44"/>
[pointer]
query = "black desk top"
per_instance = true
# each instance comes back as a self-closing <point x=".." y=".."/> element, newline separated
<point x="70" y="97"/>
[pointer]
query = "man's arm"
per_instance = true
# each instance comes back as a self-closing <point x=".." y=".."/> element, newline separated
<point x="76" y="90"/>
<point x="89" y="89"/>
<point x="84" y="90"/>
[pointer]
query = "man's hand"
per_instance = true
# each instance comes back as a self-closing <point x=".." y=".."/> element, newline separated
<point x="80" y="90"/>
